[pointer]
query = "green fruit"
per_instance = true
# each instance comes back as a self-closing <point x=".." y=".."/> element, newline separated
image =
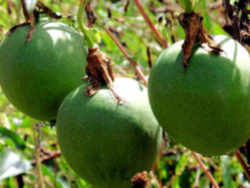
<point x="114" y="1"/>
<point x="107" y="143"/>
<point x="37" y="75"/>
<point x="206" y="108"/>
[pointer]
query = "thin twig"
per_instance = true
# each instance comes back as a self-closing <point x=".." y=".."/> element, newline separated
<point x="197" y="177"/>
<point x="126" y="5"/>
<point x="9" y="7"/>
<point x="25" y="12"/>
<point x="243" y="164"/>
<point x="206" y="171"/>
<point x="150" y="64"/>
<point x="158" y="35"/>
<point x="132" y="62"/>
<point x="52" y="156"/>
<point x="48" y="11"/>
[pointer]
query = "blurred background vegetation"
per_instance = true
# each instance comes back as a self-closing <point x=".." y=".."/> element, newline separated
<point x="29" y="150"/>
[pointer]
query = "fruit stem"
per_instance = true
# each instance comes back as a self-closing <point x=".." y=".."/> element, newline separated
<point x="82" y="27"/>
<point x="243" y="164"/>
<point x="158" y="35"/>
<point x="189" y="5"/>
<point x="131" y="61"/>
<point x="206" y="171"/>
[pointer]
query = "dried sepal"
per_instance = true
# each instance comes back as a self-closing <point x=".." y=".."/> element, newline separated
<point x="99" y="73"/>
<point x="195" y="33"/>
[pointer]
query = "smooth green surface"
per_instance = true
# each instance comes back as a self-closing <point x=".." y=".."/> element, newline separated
<point x="115" y="1"/>
<point x="36" y="76"/>
<point x="207" y="109"/>
<point x="107" y="143"/>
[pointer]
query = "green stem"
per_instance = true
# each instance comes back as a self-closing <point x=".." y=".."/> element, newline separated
<point x="84" y="30"/>
<point x="189" y="5"/>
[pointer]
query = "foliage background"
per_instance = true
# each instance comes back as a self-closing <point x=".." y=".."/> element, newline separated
<point x="20" y="138"/>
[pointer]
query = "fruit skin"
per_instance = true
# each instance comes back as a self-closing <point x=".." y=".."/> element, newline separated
<point x="107" y="143"/>
<point x="207" y="107"/>
<point x="115" y="1"/>
<point x="37" y="75"/>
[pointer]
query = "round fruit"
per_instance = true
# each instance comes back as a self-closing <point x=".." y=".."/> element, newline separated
<point x="206" y="107"/>
<point x="115" y="1"/>
<point x="37" y="75"/>
<point x="107" y="143"/>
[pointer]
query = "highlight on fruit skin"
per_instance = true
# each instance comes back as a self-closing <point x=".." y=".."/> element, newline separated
<point x="107" y="143"/>
<point x="206" y="108"/>
<point x="36" y="75"/>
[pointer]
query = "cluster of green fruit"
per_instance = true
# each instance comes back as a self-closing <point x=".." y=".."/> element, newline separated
<point x="104" y="142"/>
<point x="205" y="108"/>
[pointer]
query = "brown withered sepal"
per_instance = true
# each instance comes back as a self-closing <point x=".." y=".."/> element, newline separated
<point x="99" y="73"/>
<point x="195" y="32"/>
<point x="140" y="180"/>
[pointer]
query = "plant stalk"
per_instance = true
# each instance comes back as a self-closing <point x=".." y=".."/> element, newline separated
<point x="206" y="171"/>
<point x="158" y="35"/>
<point x="131" y="61"/>
<point x="243" y="164"/>
<point x="25" y="12"/>
<point x="80" y="21"/>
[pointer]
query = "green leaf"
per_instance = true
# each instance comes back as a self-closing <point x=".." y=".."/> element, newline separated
<point x="182" y="163"/>
<point x="186" y="4"/>
<point x="6" y="133"/>
<point x="12" y="164"/>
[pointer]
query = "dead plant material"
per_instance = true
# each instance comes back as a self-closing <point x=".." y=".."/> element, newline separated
<point x="140" y="180"/>
<point x="25" y="12"/>
<point x="243" y="163"/>
<point x="29" y="33"/>
<point x="99" y="73"/>
<point x="215" y="5"/>
<point x="245" y="150"/>
<point x="150" y="64"/>
<point x="90" y="15"/>
<point x="126" y="6"/>
<point x="14" y="28"/>
<point x="9" y="7"/>
<point x="161" y="40"/>
<point x="31" y="29"/>
<point x="169" y="7"/>
<point x="195" y="33"/>
<point x="115" y="31"/>
<point x="32" y="18"/>
<point x="109" y="13"/>
<point x="52" y="155"/>
<point x="45" y="10"/>
<point x="237" y="20"/>
<point x="138" y="71"/>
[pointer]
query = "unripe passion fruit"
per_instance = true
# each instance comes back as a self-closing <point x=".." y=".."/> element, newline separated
<point x="206" y="107"/>
<point x="37" y="75"/>
<point x="107" y="143"/>
<point x="114" y="1"/>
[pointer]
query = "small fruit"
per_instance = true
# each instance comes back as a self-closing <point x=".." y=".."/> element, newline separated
<point x="206" y="107"/>
<point x="107" y="143"/>
<point x="37" y="75"/>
